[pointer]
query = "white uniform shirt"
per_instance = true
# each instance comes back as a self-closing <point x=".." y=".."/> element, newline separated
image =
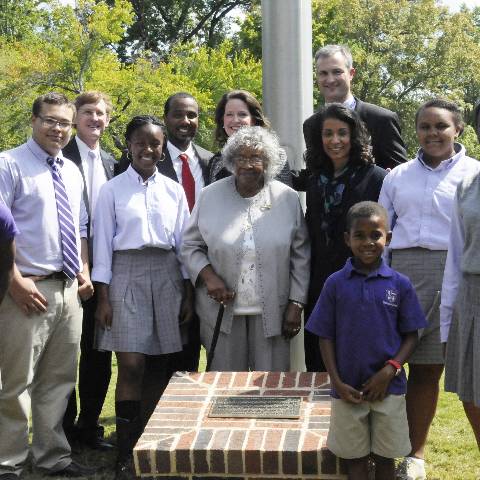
<point x="132" y="214"/>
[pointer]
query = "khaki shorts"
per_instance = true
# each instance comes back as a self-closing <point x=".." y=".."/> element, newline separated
<point x="356" y="430"/>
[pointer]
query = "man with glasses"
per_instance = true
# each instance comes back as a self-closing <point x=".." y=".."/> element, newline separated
<point x="96" y="166"/>
<point x="41" y="318"/>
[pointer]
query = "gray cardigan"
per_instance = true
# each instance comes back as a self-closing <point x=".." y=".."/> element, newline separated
<point x="214" y="235"/>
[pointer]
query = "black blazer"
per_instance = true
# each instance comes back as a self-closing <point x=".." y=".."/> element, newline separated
<point x="384" y="127"/>
<point x="166" y="166"/>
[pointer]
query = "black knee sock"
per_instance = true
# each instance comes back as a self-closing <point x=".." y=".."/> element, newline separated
<point x="127" y="409"/>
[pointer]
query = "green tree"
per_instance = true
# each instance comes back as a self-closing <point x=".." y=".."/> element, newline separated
<point x="405" y="51"/>
<point x="160" y="25"/>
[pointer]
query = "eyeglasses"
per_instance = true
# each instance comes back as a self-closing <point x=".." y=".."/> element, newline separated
<point x="51" y="123"/>
<point x="252" y="161"/>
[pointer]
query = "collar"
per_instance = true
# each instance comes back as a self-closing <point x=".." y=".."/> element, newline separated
<point x="350" y="102"/>
<point x="382" y="271"/>
<point x="83" y="148"/>
<point x="133" y="174"/>
<point x="41" y="154"/>
<point x="444" y="164"/>
<point x="175" y="152"/>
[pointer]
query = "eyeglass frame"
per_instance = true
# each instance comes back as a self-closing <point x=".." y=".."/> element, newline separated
<point x="52" y="123"/>
<point x="252" y="161"/>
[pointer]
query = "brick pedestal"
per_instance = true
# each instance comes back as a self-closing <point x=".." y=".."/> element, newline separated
<point x="182" y="442"/>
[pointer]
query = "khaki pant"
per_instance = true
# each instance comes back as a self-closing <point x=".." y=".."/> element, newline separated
<point x="38" y="360"/>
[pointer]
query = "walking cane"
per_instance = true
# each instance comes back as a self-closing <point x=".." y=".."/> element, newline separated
<point x="216" y="332"/>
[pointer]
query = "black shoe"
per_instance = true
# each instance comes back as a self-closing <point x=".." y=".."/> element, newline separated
<point x="8" y="476"/>
<point x="98" y="443"/>
<point x="74" y="470"/>
<point x="124" y="469"/>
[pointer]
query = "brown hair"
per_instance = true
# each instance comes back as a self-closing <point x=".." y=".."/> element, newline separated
<point x="94" y="96"/>
<point x="254" y="107"/>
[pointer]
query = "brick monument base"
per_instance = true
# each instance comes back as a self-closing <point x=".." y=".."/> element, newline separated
<point x="182" y="442"/>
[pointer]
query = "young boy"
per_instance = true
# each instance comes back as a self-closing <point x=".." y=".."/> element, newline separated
<point x="367" y="319"/>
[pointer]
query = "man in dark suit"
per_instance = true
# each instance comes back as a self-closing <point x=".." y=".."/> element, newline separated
<point x="96" y="167"/>
<point x="335" y="71"/>
<point x="180" y="115"/>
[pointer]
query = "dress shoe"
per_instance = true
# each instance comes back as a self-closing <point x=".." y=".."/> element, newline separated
<point x="8" y="476"/>
<point x="74" y="470"/>
<point x="98" y="443"/>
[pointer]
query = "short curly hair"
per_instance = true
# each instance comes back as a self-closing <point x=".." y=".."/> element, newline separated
<point x="263" y="140"/>
<point x="361" y="149"/>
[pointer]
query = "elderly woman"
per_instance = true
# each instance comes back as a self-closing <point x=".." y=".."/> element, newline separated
<point x="342" y="172"/>
<point x="246" y="246"/>
<point x="237" y="109"/>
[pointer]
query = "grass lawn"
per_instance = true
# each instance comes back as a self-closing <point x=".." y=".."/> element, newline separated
<point x="451" y="451"/>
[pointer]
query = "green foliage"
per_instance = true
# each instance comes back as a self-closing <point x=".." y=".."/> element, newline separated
<point x="160" y="25"/>
<point x="405" y="52"/>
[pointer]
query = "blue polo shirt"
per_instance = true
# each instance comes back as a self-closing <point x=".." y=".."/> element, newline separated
<point x="366" y="316"/>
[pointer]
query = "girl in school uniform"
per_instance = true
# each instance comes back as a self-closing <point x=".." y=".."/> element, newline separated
<point x="418" y="196"/>
<point x="142" y="289"/>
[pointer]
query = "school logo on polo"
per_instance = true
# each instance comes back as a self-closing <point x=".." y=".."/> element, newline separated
<point x="391" y="298"/>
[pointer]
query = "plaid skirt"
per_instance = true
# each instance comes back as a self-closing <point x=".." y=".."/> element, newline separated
<point x="462" y="363"/>
<point x="425" y="269"/>
<point x="145" y="293"/>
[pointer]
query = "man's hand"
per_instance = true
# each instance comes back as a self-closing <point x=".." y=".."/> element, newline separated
<point x="292" y="321"/>
<point x="375" y="388"/>
<point x="104" y="312"/>
<point x="26" y="295"/>
<point x="85" y="286"/>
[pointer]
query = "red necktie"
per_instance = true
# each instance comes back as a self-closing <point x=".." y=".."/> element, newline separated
<point x="188" y="182"/>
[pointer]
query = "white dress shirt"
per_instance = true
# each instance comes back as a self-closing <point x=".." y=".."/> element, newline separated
<point x="193" y="163"/>
<point x="133" y="214"/>
<point x="419" y="200"/>
<point x="93" y="170"/>
<point x="26" y="187"/>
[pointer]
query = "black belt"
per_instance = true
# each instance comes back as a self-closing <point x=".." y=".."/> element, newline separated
<point x="51" y="276"/>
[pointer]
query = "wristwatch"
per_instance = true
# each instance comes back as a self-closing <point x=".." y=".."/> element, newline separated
<point x="297" y="304"/>
<point x="397" y="366"/>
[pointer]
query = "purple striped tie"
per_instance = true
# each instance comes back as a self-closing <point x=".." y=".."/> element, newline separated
<point x="65" y="221"/>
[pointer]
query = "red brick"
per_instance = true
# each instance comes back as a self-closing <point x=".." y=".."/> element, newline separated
<point x="288" y="393"/>
<point x="309" y="448"/>
<point x="217" y="451"/>
<point x="270" y="451"/>
<point x="321" y="379"/>
<point x="240" y="379"/>
<point x="224" y="379"/>
<point x="209" y="378"/>
<point x="257" y="379"/>
<point x="182" y="452"/>
<point x="143" y="461"/>
<point x="234" y="454"/>
<point x="305" y="379"/>
<point x="162" y="455"/>
<point x="253" y="462"/>
<point x="290" y="452"/>
<point x="289" y="379"/>
<point x="286" y="424"/>
<point x="200" y="451"/>
<point x="273" y="379"/>
<point x="328" y="461"/>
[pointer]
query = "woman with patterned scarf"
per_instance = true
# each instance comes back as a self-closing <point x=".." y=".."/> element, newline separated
<point x="342" y="172"/>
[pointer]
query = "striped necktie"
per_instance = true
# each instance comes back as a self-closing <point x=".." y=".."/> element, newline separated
<point x="65" y="221"/>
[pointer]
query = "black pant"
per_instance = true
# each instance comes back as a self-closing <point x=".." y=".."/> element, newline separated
<point x="313" y="356"/>
<point x="187" y="360"/>
<point x="93" y="377"/>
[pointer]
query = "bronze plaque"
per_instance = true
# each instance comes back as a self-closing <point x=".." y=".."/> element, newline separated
<point x="255" y="407"/>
